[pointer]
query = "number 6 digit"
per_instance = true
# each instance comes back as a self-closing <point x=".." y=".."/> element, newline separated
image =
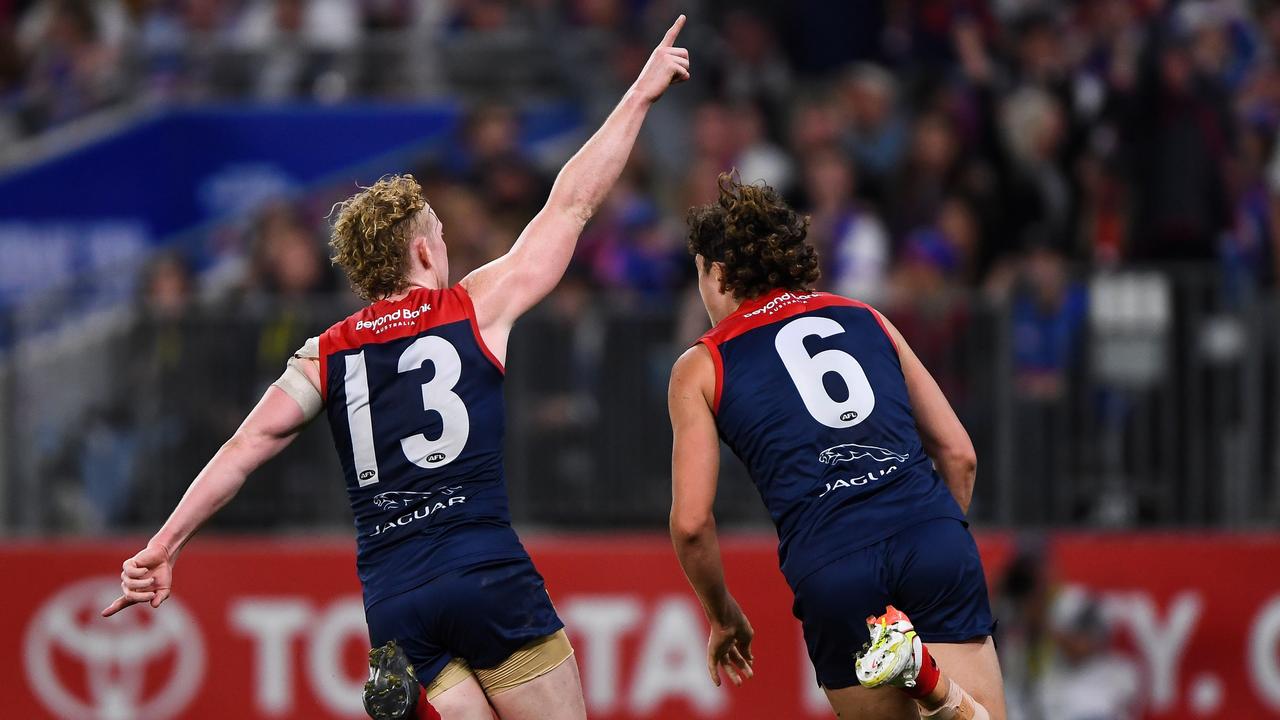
<point x="807" y="372"/>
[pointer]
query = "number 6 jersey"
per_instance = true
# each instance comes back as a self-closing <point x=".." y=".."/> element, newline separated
<point x="414" y="400"/>
<point x="810" y="396"/>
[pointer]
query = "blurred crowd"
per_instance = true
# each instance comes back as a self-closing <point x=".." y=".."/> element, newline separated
<point x="937" y="145"/>
<point x="953" y="155"/>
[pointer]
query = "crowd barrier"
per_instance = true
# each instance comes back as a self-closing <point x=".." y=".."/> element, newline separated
<point x="273" y="628"/>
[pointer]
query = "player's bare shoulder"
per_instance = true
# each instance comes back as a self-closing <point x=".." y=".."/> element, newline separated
<point x="692" y="375"/>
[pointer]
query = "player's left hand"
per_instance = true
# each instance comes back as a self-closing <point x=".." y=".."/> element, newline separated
<point x="729" y="646"/>
<point x="146" y="577"/>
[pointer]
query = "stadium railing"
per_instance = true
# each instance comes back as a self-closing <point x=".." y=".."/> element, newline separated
<point x="1164" y="410"/>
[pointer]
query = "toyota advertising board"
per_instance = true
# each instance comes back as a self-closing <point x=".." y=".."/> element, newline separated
<point x="275" y="629"/>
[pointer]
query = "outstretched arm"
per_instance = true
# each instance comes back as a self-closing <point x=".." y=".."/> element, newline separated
<point x="695" y="466"/>
<point x="943" y="435"/>
<point x="504" y="289"/>
<point x="273" y="424"/>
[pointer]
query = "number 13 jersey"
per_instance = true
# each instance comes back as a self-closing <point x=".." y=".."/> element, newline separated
<point x="414" y="400"/>
<point x="810" y="396"/>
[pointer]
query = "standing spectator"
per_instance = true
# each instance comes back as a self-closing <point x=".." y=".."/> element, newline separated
<point x="758" y="158"/>
<point x="1038" y="194"/>
<point x="1086" y="680"/>
<point x="1049" y="312"/>
<point x="927" y="175"/>
<point x="1249" y="250"/>
<point x="878" y="132"/>
<point x="852" y="243"/>
<point x="1179" y="137"/>
<point x="928" y="305"/>
<point x="753" y="68"/>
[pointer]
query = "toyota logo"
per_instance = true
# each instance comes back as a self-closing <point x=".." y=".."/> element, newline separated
<point x="141" y="664"/>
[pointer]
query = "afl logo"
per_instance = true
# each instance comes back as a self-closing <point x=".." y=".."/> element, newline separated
<point x="848" y="415"/>
<point x="140" y="664"/>
<point x="435" y="457"/>
<point x="366" y="474"/>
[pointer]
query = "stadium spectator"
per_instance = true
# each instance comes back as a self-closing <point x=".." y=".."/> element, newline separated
<point x="1085" y="679"/>
<point x="1021" y="602"/>
<point x="1048" y="324"/>
<point x="754" y="69"/>
<point x="72" y="57"/>
<point x="758" y="157"/>
<point x="288" y="260"/>
<point x="1179" y="137"/>
<point x="300" y="46"/>
<point x="877" y="134"/>
<point x="853" y="245"/>
<point x="929" y="172"/>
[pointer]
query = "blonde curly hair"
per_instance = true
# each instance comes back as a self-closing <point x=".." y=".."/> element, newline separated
<point x="371" y="234"/>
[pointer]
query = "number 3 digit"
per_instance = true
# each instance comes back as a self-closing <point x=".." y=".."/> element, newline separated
<point x="437" y="396"/>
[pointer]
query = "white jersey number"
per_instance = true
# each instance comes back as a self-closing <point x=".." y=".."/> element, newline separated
<point x="437" y="396"/>
<point x="807" y="372"/>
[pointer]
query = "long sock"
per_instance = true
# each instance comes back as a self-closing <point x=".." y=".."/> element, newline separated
<point x="927" y="678"/>
<point x="958" y="705"/>
<point x="424" y="711"/>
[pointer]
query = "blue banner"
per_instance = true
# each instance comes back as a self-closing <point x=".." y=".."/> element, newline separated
<point x="118" y="197"/>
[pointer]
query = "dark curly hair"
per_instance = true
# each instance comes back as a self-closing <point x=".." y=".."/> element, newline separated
<point x="757" y="236"/>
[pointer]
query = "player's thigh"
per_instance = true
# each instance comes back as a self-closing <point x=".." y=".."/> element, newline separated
<point x="556" y="695"/>
<point x="463" y="701"/>
<point x="861" y="703"/>
<point x="974" y="666"/>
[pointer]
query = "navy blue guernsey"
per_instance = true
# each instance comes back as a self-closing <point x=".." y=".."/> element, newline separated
<point x="810" y="396"/>
<point x="414" y="400"/>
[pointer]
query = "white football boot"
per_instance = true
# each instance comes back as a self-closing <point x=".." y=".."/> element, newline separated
<point x="894" y="654"/>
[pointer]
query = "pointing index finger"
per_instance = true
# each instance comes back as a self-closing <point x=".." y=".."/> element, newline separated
<point x="670" y="38"/>
<point x="115" y="607"/>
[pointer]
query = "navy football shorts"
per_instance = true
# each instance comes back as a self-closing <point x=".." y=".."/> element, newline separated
<point x="930" y="571"/>
<point x="481" y="614"/>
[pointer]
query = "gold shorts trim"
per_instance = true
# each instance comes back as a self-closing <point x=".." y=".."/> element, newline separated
<point x="455" y="672"/>
<point x="528" y="663"/>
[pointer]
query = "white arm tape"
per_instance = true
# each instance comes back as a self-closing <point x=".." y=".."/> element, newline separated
<point x="295" y="383"/>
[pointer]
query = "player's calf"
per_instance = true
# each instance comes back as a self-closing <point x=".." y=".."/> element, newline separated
<point x="895" y="657"/>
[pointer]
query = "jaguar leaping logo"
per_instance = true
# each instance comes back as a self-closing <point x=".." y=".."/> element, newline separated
<point x="853" y="451"/>
<point x="396" y="499"/>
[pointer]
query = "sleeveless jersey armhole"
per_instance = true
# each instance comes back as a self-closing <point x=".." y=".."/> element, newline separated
<point x="718" y="362"/>
<point x="470" y="308"/>
<point x="883" y="327"/>
<point x="324" y="367"/>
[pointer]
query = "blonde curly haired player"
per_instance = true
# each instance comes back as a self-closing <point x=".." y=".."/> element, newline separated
<point x="412" y="387"/>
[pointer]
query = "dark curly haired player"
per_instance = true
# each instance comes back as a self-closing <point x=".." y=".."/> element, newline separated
<point x="412" y="387"/>
<point x="861" y="461"/>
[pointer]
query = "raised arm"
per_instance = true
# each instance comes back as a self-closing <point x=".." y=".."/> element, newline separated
<point x="695" y="467"/>
<point x="504" y="289"/>
<point x="269" y="428"/>
<point x="943" y="435"/>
